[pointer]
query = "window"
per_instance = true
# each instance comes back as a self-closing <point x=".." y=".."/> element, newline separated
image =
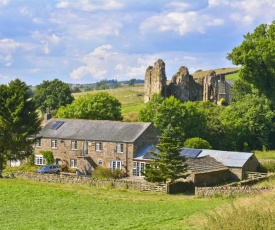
<point x="54" y="144"/>
<point x="73" y="163"/>
<point x="74" y="145"/>
<point x="138" y="168"/>
<point x="99" y="163"/>
<point x="98" y="146"/>
<point x="38" y="142"/>
<point x="115" y="165"/>
<point x="39" y="160"/>
<point x="119" y="148"/>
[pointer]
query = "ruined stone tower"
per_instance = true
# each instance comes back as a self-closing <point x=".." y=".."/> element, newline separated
<point x="183" y="86"/>
<point x="155" y="80"/>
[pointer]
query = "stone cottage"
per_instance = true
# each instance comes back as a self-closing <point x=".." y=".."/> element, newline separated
<point x="183" y="86"/>
<point x="86" y="144"/>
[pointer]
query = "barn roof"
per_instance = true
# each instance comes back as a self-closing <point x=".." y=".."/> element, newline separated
<point x="205" y="164"/>
<point x="96" y="130"/>
<point x="228" y="158"/>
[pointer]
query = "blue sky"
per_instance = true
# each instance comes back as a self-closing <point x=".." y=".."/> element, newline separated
<point x="90" y="40"/>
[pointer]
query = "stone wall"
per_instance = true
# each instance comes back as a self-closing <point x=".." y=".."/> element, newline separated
<point x="107" y="183"/>
<point x="227" y="190"/>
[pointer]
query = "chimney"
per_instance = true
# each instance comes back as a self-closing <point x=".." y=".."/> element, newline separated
<point x="47" y="115"/>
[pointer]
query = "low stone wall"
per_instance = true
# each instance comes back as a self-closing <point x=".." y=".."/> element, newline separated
<point x="227" y="190"/>
<point x="107" y="183"/>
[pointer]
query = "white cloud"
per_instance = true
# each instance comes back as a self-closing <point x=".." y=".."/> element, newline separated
<point x="4" y="2"/>
<point x="26" y="11"/>
<point x="85" y="5"/>
<point x="8" y="45"/>
<point x="181" y="23"/>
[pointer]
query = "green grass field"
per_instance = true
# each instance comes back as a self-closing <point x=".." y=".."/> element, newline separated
<point x="131" y="98"/>
<point x="37" y="205"/>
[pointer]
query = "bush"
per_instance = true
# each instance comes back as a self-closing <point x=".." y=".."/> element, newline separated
<point x="197" y="143"/>
<point x="48" y="155"/>
<point x="64" y="168"/>
<point x="102" y="173"/>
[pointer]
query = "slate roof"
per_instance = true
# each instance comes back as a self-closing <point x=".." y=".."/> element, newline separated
<point x="227" y="158"/>
<point x="96" y="130"/>
<point x="204" y="165"/>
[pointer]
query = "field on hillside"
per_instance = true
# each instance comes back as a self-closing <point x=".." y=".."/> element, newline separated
<point x="37" y="205"/>
<point x="131" y="98"/>
<point x="218" y="71"/>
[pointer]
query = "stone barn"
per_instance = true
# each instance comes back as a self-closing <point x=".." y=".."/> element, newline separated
<point x="238" y="162"/>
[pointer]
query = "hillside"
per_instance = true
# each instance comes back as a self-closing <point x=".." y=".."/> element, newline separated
<point x="225" y="71"/>
<point x="131" y="98"/>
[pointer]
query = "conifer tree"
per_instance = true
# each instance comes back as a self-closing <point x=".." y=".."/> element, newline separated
<point x="167" y="164"/>
<point x="18" y="119"/>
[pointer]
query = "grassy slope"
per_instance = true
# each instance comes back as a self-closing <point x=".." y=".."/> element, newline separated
<point x="37" y="205"/>
<point x="218" y="71"/>
<point x="131" y="99"/>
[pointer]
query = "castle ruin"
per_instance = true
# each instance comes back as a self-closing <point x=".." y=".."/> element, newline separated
<point x="184" y="87"/>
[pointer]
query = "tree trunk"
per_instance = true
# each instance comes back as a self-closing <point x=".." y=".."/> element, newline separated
<point x="1" y="166"/>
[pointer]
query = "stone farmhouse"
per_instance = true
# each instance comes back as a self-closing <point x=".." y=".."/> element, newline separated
<point x="206" y="166"/>
<point x="86" y="144"/>
<point x="183" y="86"/>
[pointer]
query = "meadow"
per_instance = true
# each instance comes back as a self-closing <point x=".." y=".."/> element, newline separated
<point x="29" y="204"/>
<point x="130" y="97"/>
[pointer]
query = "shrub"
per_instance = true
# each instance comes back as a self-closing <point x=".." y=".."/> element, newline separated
<point x="197" y="143"/>
<point x="102" y="173"/>
<point x="64" y="168"/>
<point x="48" y="155"/>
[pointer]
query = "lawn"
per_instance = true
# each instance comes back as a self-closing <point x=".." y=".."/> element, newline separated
<point x="36" y="205"/>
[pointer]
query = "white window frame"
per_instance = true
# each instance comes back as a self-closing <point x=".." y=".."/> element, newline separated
<point x="39" y="160"/>
<point x="38" y="142"/>
<point x="119" y="148"/>
<point x="54" y="143"/>
<point x="138" y="168"/>
<point x="74" y="145"/>
<point x="73" y="163"/>
<point x="115" y="165"/>
<point x="100" y="163"/>
<point x="98" y="146"/>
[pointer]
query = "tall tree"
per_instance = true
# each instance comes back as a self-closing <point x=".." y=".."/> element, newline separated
<point x="256" y="55"/>
<point x="52" y="95"/>
<point x="249" y="123"/>
<point x="18" y="119"/>
<point x="168" y="164"/>
<point x="97" y="106"/>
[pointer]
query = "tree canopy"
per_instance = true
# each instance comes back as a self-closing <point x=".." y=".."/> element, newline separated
<point x="52" y="95"/>
<point x="256" y="55"/>
<point x="168" y="164"/>
<point x="18" y="120"/>
<point x="197" y="143"/>
<point x="189" y="119"/>
<point x="97" y="106"/>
